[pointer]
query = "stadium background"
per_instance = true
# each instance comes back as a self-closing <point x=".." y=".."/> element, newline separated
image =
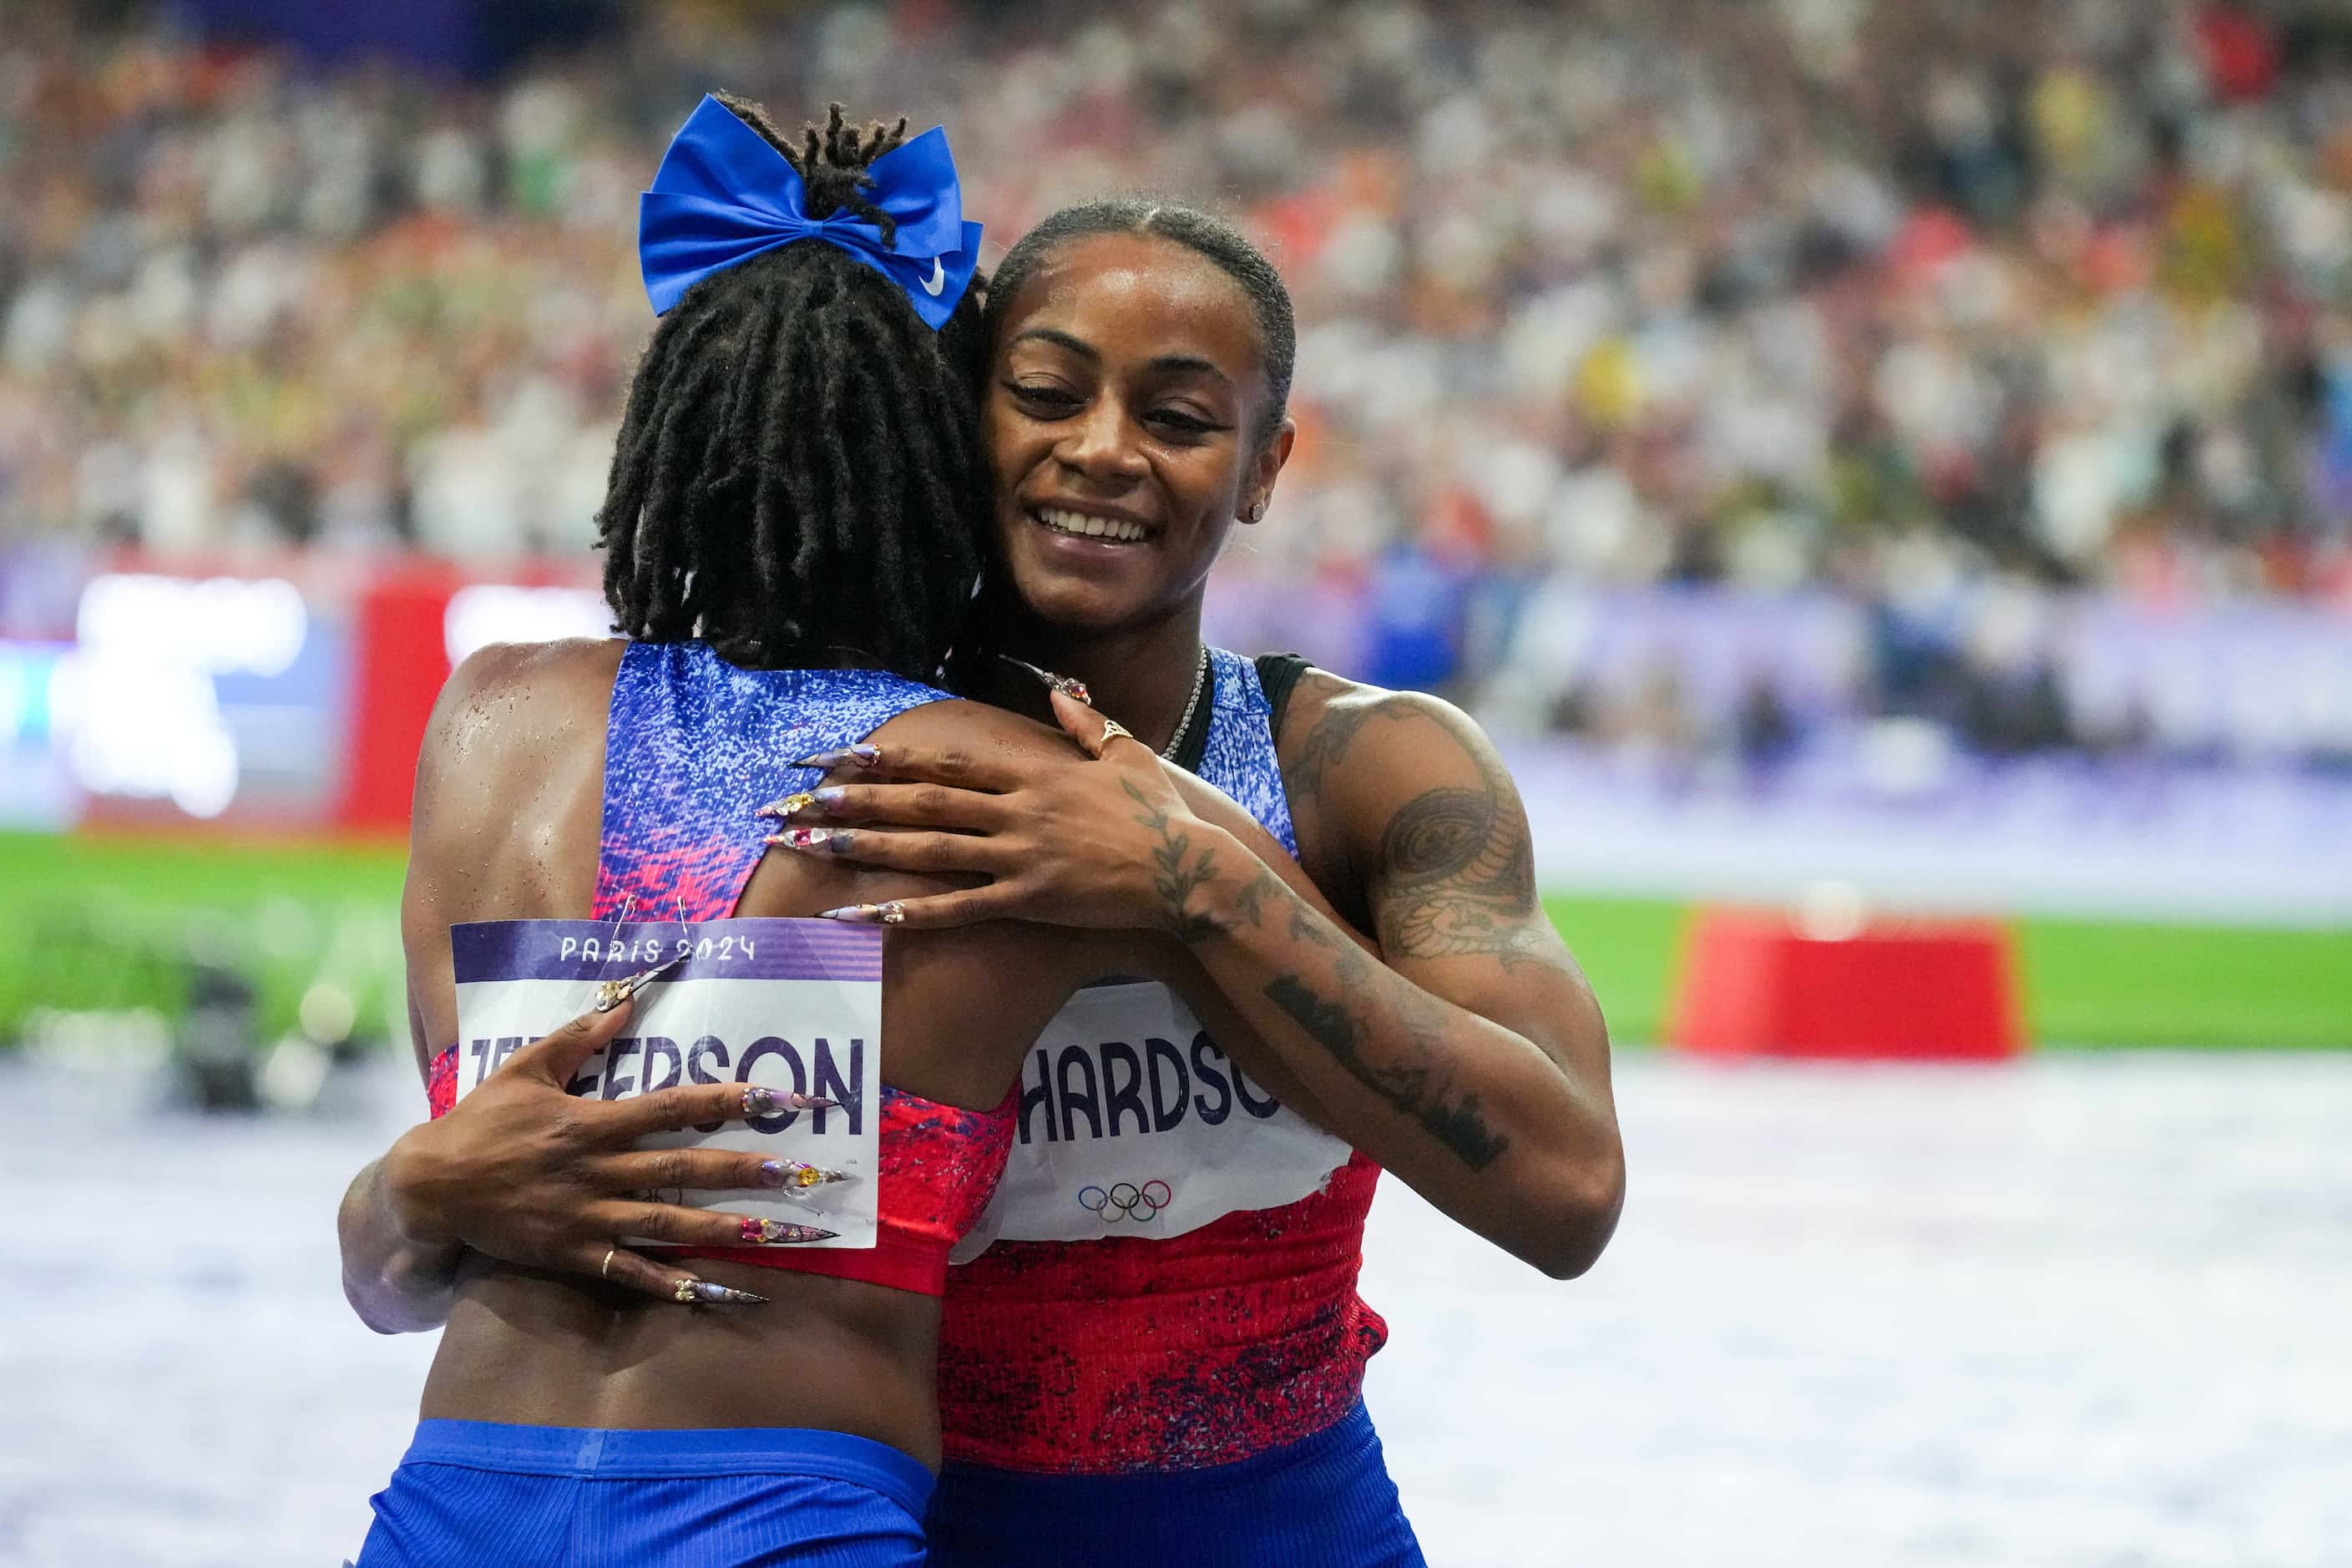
<point x="1876" y="460"/>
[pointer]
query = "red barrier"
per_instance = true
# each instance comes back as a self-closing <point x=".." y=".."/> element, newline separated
<point x="1753" y="984"/>
<point x="400" y="661"/>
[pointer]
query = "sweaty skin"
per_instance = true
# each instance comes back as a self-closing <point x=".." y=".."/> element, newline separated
<point x="1129" y="384"/>
<point x="506" y="825"/>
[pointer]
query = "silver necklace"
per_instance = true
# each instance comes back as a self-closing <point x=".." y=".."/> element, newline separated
<point x="1191" y="705"/>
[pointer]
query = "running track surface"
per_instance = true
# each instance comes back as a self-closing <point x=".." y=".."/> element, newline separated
<point x="2079" y="1312"/>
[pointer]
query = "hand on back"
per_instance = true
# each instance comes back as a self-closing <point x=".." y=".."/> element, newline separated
<point x="1094" y="834"/>
<point x="527" y="1173"/>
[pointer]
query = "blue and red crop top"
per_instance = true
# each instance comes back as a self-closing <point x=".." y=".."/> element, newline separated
<point x="693" y="745"/>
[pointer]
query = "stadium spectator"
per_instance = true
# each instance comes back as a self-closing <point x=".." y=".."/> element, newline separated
<point x="1933" y="306"/>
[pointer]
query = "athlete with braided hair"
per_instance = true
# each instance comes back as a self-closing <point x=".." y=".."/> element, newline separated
<point x="726" y="459"/>
<point x="1159" y="1359"/>
<point x="794" y="518"/>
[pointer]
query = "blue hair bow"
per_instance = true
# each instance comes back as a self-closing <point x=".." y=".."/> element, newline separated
<point x="723" y="195"/>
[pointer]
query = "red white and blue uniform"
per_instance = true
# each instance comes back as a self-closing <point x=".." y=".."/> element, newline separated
<point x="693" y="745"/>
<point x="1158" y="1358"/>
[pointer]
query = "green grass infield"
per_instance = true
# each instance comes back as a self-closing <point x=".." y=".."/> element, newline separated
<point x="104" y="922"/>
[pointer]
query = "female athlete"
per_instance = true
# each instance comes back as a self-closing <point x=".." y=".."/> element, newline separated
<point x="1187" y="1390"/>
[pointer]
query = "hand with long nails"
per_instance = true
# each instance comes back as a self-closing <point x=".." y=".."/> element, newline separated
<point x="521" y="1171"/>
<point x="1099" y="835"/>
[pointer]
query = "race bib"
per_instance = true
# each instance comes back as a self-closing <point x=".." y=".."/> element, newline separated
<point x="792" y="1004"/>
<point x="1133" y="1123"/>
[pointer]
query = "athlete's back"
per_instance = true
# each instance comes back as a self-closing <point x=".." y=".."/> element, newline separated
<point x="513" y="814"/>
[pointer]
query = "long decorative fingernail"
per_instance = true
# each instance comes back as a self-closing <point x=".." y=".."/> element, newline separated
<point x="890" y="914"/>
<point x="777" y="1233"/>
<point x="759" y="1101"/>
<point x="1061" y="683"/>
<point x="688" y="1292"/>
<point x="828" y="798"/>
<point x="611" y="994"/>
<point x="798" y="1173"/>
<point x="835" y="839"/>
<point x="864" y="754"/>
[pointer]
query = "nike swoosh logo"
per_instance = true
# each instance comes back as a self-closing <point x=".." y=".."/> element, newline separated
<point x="937" y="281"/>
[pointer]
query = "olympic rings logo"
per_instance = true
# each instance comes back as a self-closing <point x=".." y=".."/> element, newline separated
<point x="1125" y="1200"/>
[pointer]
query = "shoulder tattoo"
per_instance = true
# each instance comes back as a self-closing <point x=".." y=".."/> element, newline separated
<point x="1457" y="873"/>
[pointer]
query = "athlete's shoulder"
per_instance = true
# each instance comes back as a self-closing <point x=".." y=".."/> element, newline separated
<point x="1332" y="720"/>
<point x="512" y="670"/>
<point x="510" y="700"/>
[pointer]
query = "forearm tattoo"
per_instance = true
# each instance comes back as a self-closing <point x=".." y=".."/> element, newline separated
<point x="1249" y="903"/>
<point x="1176" y="872"/>
<point x="1418" y="1084"/>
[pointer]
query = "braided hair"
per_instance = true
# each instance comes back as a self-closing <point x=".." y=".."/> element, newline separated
<point x="1197" y="231"/>
<point x="798" y="477"/>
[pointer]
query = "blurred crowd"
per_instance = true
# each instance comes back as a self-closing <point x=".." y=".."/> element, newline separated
<point x="1939" y="307"/>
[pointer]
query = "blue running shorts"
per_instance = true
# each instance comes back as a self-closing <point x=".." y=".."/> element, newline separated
<point x="476" y="1494"/>
<point x="1325" y="1502"/>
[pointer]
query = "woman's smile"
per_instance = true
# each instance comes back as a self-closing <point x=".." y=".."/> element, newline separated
<point x="1091" y="525"/>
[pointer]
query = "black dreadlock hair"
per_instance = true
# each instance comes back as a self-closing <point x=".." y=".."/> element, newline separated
<point x="1212" y="238"/>
<point x="799" y="474"/>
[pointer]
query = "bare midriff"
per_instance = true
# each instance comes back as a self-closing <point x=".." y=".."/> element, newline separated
<point x="838" y="1355"/>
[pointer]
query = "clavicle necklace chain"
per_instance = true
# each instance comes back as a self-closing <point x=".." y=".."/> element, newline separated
<point x="1191" y="706"/>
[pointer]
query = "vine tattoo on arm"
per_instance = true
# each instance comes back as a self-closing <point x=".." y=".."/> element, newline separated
<point x="1175" y="880"/>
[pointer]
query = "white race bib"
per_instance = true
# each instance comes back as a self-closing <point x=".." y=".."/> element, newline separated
<point x="792" y="1004"/>
<point x="1133" y="1123"/>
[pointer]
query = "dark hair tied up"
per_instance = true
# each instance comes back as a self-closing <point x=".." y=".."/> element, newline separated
<point x="799" y="475"/>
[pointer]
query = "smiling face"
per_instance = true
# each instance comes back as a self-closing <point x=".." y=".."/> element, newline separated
<point x="1127" y="397"/>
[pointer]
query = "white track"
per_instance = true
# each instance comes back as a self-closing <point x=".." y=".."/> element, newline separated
<point x="2083" y="1311"/>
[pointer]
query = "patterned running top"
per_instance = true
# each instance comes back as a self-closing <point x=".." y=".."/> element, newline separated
<point x="1132" y="1355"/>
<point x="693" y="745"/>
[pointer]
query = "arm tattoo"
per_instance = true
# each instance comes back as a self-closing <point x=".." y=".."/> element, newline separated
<point x="1303" y="776"/>
<point x="1457" y="874"/>
<point x="1248" y="900"/>
<point x="1419" y="1087"/>
<point x="1305" y="927"/>
<point x="1176" y="880"/>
